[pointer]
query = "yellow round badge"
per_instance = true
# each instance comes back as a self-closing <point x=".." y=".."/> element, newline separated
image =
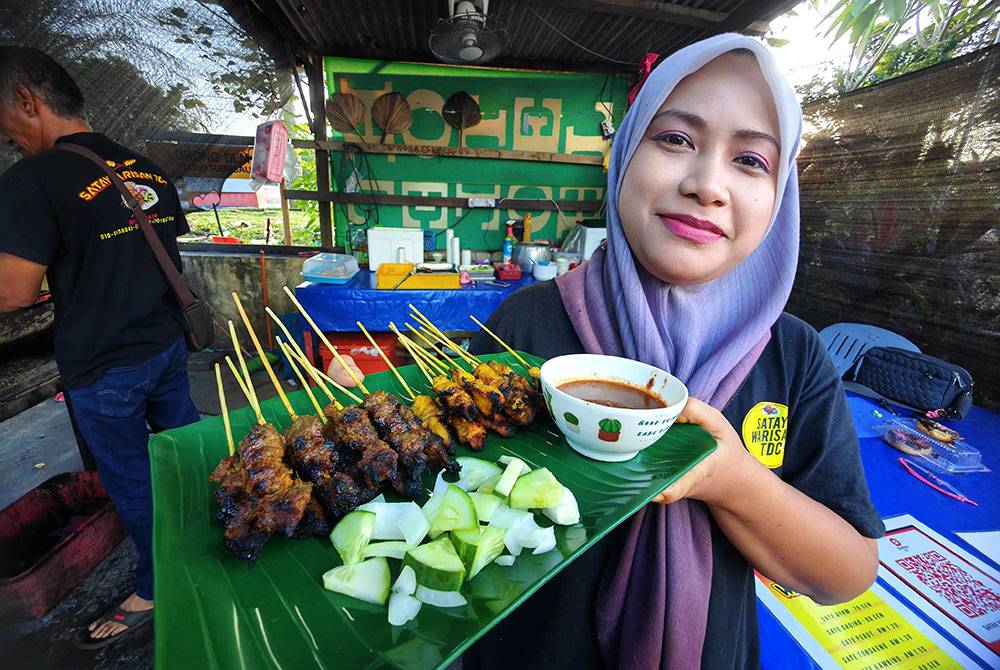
<point x="764" y="430"/>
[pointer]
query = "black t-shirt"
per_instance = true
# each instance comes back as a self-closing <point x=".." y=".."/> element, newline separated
<point x="113" y="305"/>
<point x="792" y="398"/>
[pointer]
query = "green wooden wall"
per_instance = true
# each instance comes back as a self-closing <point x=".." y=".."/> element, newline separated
<point x="522" y="110"/>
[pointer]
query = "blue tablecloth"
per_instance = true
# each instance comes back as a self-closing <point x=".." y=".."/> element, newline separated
<point x="338" y="307"/>
<point x="894" y="492"/>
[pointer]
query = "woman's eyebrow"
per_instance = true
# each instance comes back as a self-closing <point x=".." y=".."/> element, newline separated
<point x="700" y="123"/>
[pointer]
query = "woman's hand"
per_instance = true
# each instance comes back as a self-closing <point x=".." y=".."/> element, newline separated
<point x="339" y="375"/>
<point x="722" y="470"/>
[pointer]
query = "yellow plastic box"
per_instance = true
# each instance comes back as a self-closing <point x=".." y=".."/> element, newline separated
<point x="394" y="275"/>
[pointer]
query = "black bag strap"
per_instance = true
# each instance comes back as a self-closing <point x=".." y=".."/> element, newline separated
<point x="177" y="283"/>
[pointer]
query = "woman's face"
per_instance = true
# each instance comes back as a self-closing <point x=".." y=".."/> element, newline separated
<point x="697" y="196"/>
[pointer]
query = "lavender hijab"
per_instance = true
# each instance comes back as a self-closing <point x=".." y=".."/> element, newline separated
<point x="652" y="605"/>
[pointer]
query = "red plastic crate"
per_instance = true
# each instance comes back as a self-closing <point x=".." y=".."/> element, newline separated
<point x="361" y="350"/>
<point x="52" y="537"/>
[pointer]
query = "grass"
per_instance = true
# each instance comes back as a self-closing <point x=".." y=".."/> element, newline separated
<point x="250" y="225"/>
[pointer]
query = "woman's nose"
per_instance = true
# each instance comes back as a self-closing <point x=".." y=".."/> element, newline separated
<point x="704" y="183"/>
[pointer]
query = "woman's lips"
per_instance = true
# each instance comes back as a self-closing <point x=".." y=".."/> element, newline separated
<point x="687" y="227"/>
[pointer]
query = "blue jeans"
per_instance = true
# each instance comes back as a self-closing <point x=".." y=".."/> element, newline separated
<point x="112" y="414"/>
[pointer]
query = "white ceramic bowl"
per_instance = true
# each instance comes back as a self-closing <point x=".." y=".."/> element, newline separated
<point x="610" y="433"/>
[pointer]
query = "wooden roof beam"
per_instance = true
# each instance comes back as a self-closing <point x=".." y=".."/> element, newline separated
<point x="666" y="12"/>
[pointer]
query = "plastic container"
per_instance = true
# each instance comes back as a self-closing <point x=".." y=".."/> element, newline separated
<point x="507" y="271"/>
<point x="52" y="537"/>
<point x="543" y="271"/>
<point x="384" y="246"/>
<point x="393" y="276"/>
<point x="330" y="268"/>
<point x="953" y="457"/>
<point x="361" y="350"/>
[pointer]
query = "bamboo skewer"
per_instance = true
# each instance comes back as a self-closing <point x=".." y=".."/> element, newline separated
<point x="223" y="409"/>
<point x="434" y="366"/>
<point x="438" y="365"/>
<point x="469" y="358"/>
<point x="248" y="388"/>
<point x="315" y="374"/>
<point x="302" y="380"/>
<point x="500" y="342"/>
<point x="434" y="348"/>
<point x="386" y="359"/>
<point x="333" y="349"/>
<point x="337" y="386"/>
<point x="263" y="358"/>
<point x="299" y="354"/>
<point x="406" y="343"/>
<point x="243" y="387"/>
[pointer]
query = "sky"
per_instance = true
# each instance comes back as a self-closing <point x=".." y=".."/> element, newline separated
<point x="808" y="52"/>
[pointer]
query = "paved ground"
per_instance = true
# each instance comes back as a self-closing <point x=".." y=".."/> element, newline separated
<point x="36" y="445"/>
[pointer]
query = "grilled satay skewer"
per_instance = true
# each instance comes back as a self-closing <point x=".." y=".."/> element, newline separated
<point x="453" y="396"/>
<point x="533" y="371"/>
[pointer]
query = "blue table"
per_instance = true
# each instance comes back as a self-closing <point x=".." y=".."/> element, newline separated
<point x="894" y="493"/>
<point x="338" y="307"/>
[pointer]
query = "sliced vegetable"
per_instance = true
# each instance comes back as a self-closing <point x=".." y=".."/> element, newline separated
<point x="402" y="608"/>
<point x="489" y="485"/>
<point x="509" y="476"/>
<point x="537" y="489"/>
<point x="396" y="549"/>
<point x="474" y="472"/>
<point x="351" y="535"/>
<point x="455" y="511"/>
<point x="406" y="582"/>
<point x="505" y="517"/>
<point x="506" y="459"/>
<point x="439" y="598"/>
<point x="545" y="540"/>
<point x="436" y="565"/>
<point x="368" y="580"/>
<point x="477" y="547"/>
<point x="566" y="512"/>
<point x="397" y="521"/>
<point x="485" y="504"/>
<point x="506" y="560"/>
<point x="430" y="507"/>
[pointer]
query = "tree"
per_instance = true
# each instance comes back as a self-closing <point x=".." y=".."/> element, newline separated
<point x="892" y="37"/>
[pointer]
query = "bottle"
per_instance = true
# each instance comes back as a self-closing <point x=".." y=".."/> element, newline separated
<point x="527" y="228"/>
<point x="508" y="243"/>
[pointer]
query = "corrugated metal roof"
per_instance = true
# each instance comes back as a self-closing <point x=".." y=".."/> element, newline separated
<point x="621" y="30"/>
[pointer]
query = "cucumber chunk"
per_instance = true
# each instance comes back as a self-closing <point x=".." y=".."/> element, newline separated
<point x="351" y="535"/>
<point x="474" y="472"/>
<point x="505" y="460"/>
<point x="455" y="511"/>
<point x="477" y="547"/>
<point x="368" y="580"/>
<point x="436" y="565"/>
<point x="388" y="549"/>
<point x="486" y="504"/>
<point x="537" y="489"/>
<point x="489" y="485"/>
<point x="508" y="478"/>
<point x="566" y="512"/>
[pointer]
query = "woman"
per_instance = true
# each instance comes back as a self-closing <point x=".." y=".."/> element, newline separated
<point x="699" y="262"/>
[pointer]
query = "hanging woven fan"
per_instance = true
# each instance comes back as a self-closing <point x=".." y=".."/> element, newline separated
<point x="346" y="112"/>
<point x="461" y="111"/>
<point x="391" y="112"/>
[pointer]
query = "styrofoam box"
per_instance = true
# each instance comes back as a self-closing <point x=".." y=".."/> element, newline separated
<point x="394" y="245"/>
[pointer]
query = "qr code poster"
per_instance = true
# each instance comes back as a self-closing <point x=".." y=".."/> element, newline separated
<point x="962" y="591"/>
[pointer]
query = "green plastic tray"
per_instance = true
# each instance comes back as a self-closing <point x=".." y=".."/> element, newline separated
<point x="213" y="611"/>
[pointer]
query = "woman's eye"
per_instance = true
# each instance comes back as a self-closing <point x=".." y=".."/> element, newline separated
<point x="752" y="161"/>
<point x="672" y="138"/>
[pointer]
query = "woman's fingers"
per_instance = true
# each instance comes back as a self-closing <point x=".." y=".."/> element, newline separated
<point x="704" y="415"/>
<point x="339" y="375"/>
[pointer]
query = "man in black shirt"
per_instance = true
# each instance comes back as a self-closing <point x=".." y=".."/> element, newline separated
<point x="118" y="332"/>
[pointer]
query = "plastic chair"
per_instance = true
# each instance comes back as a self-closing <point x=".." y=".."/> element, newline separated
<point x="845" y="342"/>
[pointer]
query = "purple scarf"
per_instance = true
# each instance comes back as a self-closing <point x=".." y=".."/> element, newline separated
<point x="652" y="606"/>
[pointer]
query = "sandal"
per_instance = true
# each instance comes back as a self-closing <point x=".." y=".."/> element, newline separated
<point x="132" y="621"/>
